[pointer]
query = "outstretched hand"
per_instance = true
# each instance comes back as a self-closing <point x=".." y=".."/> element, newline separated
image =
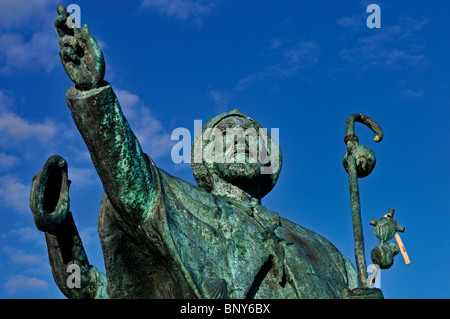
<point x="80" y="54"/>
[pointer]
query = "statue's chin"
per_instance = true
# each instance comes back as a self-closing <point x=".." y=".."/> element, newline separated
<point x="238" y="173"/>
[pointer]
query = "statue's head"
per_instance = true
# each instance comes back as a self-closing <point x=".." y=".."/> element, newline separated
<point x="233" y="148"/>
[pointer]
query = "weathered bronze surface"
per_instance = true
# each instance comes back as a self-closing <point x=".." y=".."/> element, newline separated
<point x="385" y="228"/>
<point x="383" y="254"/>
<point x="359" y="161"/>
<point x="163" y="237"/>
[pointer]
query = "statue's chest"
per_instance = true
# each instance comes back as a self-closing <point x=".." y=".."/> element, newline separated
<point x="227" y="250"/>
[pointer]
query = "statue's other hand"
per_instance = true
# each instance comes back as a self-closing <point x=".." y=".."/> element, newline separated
<point x="49" y="196"/>
<point x="80" y="54"/>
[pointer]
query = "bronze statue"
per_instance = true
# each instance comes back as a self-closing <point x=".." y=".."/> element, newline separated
<point x="163" y="237"/>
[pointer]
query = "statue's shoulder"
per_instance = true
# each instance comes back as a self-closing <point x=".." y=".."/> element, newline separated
<point x="177" y="189"/>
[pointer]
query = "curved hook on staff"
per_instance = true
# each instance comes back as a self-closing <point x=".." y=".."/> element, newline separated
<point x="350" y="127"/>
<point x="363" y="156"/>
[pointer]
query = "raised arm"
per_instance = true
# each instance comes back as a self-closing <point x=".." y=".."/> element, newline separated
<point x="125" y="171"/>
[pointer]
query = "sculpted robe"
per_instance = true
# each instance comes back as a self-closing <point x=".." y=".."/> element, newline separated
<point x="165" y="238"/>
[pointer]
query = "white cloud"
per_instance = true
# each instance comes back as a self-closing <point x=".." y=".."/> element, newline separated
<point x="19" y="256"/>
<point x="16" y="13"/>
<point x="89" y="235"/>
<point x="151" y="135"/>
<point x="6" y="101"/>
<point x="392" y="46"/>
<point x="41" y="50"/>
<point x="221" y="99"/>
<point x="20" y="282"/>
<point x="28" y="40"/>
<point x="410" y="94"/>
<point x="7" y="160"/>
<point x="19" y="139"/>
<point x="127" y="101"/>
<point x="81" y="177"/>
<point x="14" y="194"/>
<point x="289" y="55"/>
<point x="292" y="56"/>
<point x="276" y="43"/>
<point x="24" y="234"/>
<point x="181" y="9"/>
<point x="302" y="53"/>
<point x="150" y="132"/>
<point x="353" y="21"/>
<point x="15" y="128"/>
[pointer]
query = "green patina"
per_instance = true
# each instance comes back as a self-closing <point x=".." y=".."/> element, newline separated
<point x="385" y="229"/>
<point x="165" y="238"/>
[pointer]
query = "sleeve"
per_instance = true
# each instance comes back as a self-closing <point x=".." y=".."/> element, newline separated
<point x="122" y="166"/>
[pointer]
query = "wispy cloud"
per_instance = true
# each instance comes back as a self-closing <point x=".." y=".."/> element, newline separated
<point x="286" y="58"/>
<point x="24" y="234"/>
<point x="19" y="256"/>
<point x="392" y="46"/>
<point x="14" y="193"/>
<point x="351" y="21"/>
<point x="15" y="128"/>
<point x="88" y="235"/>
<point x="6" y="101"/>
<point x="7" y="161"/>
<point x="17" y="13"/>
<point x="291" y="57"/>
<point x="28" y="37"/>
<point x="128" y="102"/>
<point x="221" y="99"/>
<point x="82" y="177"/>
<point x="41" y="51"/>
<point x="411" y="94"/>
<point x="152" y="136"/>
<point x="19" y="282"/>
<point x="181" y="9"/>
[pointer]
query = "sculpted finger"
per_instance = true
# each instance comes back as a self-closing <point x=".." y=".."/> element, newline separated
<point x="85" y="35"/>
<point x="90" y="42"/>
<point x="61" y="23"/>
<point x="72" y="25"/>
<point x="72" y="42"/>
<point x="61" y="10"/>
<point x="92" y="50"/>
<point x="61" y="28"/>
<point x="67" y="54"/>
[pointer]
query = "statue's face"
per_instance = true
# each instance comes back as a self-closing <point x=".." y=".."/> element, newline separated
<point x="244" y="149"/>
<point x="234" y="148"/>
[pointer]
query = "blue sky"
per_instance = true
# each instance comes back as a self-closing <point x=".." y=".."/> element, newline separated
<point x="300" y="66"/>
